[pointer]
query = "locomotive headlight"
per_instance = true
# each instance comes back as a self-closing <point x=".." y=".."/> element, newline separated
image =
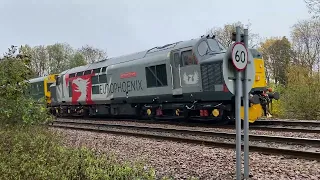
<point x="257" y="78"/>
<point x="215" y="112"/>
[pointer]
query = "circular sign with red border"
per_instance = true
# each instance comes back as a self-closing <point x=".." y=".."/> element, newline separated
<point x="239" y="55"/>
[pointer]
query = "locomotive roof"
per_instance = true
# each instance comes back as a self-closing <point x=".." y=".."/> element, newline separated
<point x="38" y="79"/>
<point x="134" y="56"/>
<point x="151" y="52"/>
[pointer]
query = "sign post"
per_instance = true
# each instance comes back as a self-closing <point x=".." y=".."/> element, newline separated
<point x="240" y="56"/>
<point x="246" y="113"/>
<point x="238" y="75"/>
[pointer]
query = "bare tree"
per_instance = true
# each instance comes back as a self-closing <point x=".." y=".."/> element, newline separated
<point x="224" y="34"/>
<point x="40" y="60"/>
<point x="313" y="7"/>
<point x="92" y="54"/>
<point x="306" y="42"/>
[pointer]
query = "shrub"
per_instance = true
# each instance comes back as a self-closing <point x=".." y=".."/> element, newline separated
<point x="300" y="98"/>
<point x="32" y="152"/>
<point x="15" y="106"/>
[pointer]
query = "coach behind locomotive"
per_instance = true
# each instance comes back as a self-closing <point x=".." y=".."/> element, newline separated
<point x="178" y="80"/>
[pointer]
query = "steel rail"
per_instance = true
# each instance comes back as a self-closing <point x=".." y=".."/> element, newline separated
<point x="288" y="122"/>
<point x="203" y="133"/>
<point x="258" y="125"/>
<point x="284" y="129"/>
<point x="261" y="149"/>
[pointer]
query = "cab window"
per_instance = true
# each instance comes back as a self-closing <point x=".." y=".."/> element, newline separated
<point x="188" y="58"/>
<point x="214" y="46"/>
<point x="203" y="48"/>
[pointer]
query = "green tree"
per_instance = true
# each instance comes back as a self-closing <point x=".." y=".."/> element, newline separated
<point x="14" y="105"/>
<point x="59" y="57"/>
<point x="277" y="54"/>
<point x="77" y="60"/>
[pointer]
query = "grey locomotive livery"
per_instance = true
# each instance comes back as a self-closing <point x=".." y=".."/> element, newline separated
<point x="178" y="80"/>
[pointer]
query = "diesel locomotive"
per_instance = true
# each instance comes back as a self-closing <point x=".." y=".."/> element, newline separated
<point x="178" y="80"/>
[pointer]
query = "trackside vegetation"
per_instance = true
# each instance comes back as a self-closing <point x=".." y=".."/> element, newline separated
<point x="28" y="150"/>
<point x="300" y="97"/>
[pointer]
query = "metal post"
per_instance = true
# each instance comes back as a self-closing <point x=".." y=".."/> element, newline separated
<point x="246" y="113"/>
<point x="237" y="113"/>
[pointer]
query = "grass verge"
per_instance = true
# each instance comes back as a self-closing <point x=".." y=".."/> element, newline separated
<point x="33" y="152"/>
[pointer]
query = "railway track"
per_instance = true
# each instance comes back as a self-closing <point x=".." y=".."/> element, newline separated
<point x="288" y="122"/>
<point x="199" y="137"/>
<point x="263" y="125"/>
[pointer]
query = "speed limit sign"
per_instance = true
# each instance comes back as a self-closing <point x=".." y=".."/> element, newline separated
<point x="239" y="56"/>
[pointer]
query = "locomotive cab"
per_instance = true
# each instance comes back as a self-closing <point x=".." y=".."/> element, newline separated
<point x="198" y="76"/>
<point x="186" y="66"/>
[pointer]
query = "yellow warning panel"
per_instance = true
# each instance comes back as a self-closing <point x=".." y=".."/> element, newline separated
<point x="255" y="112"/>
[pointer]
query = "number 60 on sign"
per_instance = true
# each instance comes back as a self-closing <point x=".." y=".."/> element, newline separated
<point x="239" y="56"/>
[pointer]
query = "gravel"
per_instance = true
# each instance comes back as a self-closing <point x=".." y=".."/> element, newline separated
<point x="254" y="132"/>
<point x="210" y="138"/>
<point x="181" y="160"/>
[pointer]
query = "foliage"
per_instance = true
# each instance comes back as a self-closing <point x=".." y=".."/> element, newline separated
<point x="277" y="106"/>
<point x="92" y="54"/>
<point x="33" y="152"/>
<point x="30" y="151"/>
<point x="277" y="54"/>
<point x="300" y="98"/>
<point x="15" y="107"/>
<point x="77" y="60"/>
<point x="58" y="57"/>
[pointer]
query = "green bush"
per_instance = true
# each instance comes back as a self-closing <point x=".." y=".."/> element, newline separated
<point x="15" y="106"/>
<point x="32" y="152"/>
<point x="300" y="98"/>
<point x="277" y="106"/>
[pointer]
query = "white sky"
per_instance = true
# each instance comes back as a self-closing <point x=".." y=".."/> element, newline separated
<point x="123" y="27"/>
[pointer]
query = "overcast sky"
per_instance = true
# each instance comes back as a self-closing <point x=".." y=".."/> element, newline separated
<point x="126" y="26"/>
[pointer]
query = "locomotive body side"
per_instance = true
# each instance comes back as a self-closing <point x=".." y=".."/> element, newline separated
<point x="178" y="80"/>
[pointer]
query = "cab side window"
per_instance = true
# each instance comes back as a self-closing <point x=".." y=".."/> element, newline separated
<point x="188" y="58"/>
